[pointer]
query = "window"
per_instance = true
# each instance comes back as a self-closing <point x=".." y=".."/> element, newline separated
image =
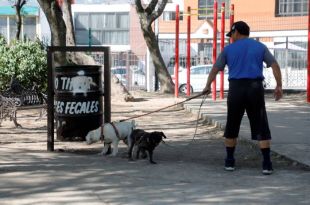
<point x="206" y="8"/>
<point x="13" y="27"/>
<point x="29" y="31"/>
<point x="291" y="7"/>
<point x="102" y="28"/>
<point x="171" y="15"/>
<point x="8" y="26"/>
<point x="199" y="70"/>
<point x="3" y="26"/>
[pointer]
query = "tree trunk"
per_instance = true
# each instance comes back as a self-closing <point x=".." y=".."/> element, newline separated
<point x="18" y="7"/>
<point x="166" y="83"/>
<point x="147" y="16"/>
<point x="61" y="25"/>
<point x="57" y="25"/>
<point x="76" y="57"/>
<point x="18" y="22"/>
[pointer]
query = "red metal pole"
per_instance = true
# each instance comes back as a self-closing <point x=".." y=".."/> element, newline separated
<point x="232" y="16"/>
<point x="308" y="78"/>
<point x="188" y="64"/>
<point x="176" y="60"/>
<point x="214" y="45"/>
<point x="222" y="48"/>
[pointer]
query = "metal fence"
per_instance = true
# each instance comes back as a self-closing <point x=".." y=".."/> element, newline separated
<point x="129" y="68"/>
<point x="286" y="38"/>
<point x="291" y="54"/>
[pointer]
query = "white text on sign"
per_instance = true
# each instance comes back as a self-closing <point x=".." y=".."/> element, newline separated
<point x="75" y="108"/>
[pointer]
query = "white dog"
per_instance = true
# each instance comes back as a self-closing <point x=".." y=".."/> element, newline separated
<point x="93" y="136"/>
<point x="111" y="136"/>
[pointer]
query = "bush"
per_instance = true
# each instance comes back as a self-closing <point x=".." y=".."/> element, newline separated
<point x="26" y="60"/>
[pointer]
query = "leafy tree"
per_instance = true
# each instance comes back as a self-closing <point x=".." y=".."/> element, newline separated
<point x="25" y="60"/>
<point x="148" y="15"/>
<point x="3" y="51"/>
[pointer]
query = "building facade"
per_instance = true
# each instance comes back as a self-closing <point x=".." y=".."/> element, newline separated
<point x="34" y="22"/>
<point x="30" y="22"/>
<point x="114" y="24"/>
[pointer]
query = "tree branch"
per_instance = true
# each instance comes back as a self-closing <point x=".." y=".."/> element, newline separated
<point x="139" y="6"/>
<point x="155" y="14"/>
<point x="23" y="3"/>
<point x="162" y="6"/>
<point x="151" y="7"/>
<point x="67" y="17"/>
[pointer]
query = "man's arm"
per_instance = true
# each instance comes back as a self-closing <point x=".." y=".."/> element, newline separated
<point x="211" y="77"/>
<point x="278" y="93"/>
<point x="271" y="62"/>
<point x="220" y="63"/>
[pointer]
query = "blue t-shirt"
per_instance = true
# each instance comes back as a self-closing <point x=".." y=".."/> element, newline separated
<point x="244" y="59"/>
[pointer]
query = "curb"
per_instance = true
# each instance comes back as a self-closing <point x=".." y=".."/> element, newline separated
<point x="205" y="118"/>
<point x="221" y="125"/>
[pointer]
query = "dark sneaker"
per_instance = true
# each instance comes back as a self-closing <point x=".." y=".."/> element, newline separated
<point x="267" y="168"/>
<point x="229" y="164"/>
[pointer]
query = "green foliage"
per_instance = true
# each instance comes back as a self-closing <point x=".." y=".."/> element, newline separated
<point x="26" y="60"/>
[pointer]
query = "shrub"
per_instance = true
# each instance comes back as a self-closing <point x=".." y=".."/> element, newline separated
<point x="26" y="60"/>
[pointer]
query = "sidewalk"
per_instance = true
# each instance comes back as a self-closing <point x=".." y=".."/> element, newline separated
<point x="289" y="121"/>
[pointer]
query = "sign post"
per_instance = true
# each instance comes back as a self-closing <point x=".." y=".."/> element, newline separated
<point x="79" y="85"/>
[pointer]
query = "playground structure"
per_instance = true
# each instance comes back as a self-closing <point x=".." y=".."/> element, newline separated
<point x="188" y="46"/>
<point x="308" y="68"/>
<point x="293" y="59"/>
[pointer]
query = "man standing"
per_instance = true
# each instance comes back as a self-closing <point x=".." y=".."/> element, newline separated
<point x="244" y="58"/>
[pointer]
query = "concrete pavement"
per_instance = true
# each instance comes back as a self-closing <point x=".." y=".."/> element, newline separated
<point x="289" y="121"/>
<point x="188" y="172"/>
<point x="41" y="178"/>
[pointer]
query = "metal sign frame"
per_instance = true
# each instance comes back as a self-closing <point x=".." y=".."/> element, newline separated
<point x="50" y="85"/>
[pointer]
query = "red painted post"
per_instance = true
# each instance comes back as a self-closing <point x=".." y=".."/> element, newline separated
<point x="188" y="61"/>
<point x="176" y="59"/>
<point x="232" y="18"/>
<point x="214" y="45"/>
<point x="308" y="78"/>
<point x="222" y="48"/>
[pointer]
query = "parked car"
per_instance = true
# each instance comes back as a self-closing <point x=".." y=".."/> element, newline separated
<point x="135" y="75"/>
<point x="121" y="73"/>
<point x="138" y="77"/>
<point x="198" y="78"/>
<point x="183" y="62"/>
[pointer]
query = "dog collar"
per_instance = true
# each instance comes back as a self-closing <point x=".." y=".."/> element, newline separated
<point x="101" y="134"/>
<point x="116" y="131"/>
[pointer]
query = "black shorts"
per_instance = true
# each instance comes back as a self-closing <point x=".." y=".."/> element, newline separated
<point x="247" y="95"/>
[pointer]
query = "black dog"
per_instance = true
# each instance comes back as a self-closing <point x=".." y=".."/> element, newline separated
<point x="133" y="139"/>
<point x="144" y="141"/>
